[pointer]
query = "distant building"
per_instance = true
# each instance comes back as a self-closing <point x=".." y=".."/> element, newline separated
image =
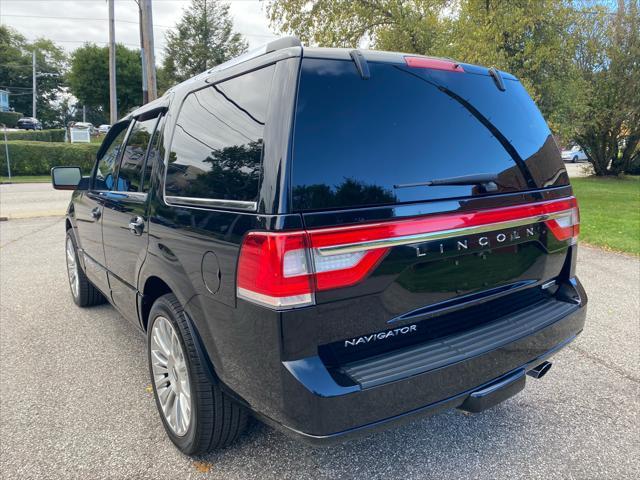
<point x="4" y="101"/>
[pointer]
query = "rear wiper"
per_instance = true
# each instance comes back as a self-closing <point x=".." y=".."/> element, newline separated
<point x="485" y="180"/>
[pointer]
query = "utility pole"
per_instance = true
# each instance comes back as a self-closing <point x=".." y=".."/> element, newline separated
<point x="113" y="99"/>
<point x="33" y="101"/>
<point x="147" y="38"/>
<point x="145" y="92"/>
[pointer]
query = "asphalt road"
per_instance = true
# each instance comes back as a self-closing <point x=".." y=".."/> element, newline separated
<point x="75" y="398"/>
<point x="25" y="200"/>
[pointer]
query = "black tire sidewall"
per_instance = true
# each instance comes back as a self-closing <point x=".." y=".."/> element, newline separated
<point x="162" y="307"/>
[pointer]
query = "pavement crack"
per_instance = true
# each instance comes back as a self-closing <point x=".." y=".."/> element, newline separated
<point x="599" y="361"/>
<point x="32" y="233"/>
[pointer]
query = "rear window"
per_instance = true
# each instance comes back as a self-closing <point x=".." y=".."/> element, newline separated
<point x="216" y="150"/>
<point x="356" y="139"/>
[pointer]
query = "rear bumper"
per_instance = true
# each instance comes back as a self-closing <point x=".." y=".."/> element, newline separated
<point x="315" y="407"/>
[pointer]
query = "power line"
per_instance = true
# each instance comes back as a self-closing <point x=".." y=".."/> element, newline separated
<point x="97" y="19"/>
<point x="167" y="27"/>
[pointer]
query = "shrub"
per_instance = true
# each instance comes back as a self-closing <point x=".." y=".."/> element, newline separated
<point x="10" y="119"/>
<point x="37" y="158"/>
<point x="53" y="135"/>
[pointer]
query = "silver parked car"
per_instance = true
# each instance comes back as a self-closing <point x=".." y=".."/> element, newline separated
<point x="574" y="155"/>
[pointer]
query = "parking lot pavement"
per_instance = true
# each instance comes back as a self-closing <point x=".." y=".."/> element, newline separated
<point x="580" y="169"/>
<point x="24" y="200"/>
<point x="75" y="400"/>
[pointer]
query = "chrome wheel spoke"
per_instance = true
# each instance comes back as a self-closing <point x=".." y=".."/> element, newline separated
<point x="72" y="268"/>
<point x="170" y="376"/>
<point x="162" y="381"/>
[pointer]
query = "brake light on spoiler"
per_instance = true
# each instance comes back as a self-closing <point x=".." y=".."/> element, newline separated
<point x="433" y="64"/>
<point x="283" y="270"/>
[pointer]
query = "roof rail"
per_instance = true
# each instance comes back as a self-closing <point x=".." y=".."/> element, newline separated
<point x="283" y="42"/>
<point x="278" y="44"/>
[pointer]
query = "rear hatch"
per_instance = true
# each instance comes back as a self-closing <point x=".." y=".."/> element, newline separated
<point x="391" y="249"/>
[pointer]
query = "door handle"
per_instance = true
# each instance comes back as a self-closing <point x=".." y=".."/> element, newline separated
<point x="136" y="225"/>
<point x="95" y="213"/>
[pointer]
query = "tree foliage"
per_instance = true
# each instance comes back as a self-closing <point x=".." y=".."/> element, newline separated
<point x="89" y="78"/>
<point x="203" y="38"/>
<point x="607" y="124"/>
<point x="16" y="74"/>
<point x="579" y="63"/>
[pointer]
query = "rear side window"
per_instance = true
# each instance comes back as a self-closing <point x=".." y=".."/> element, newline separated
<point x="216" y="150"/>
<point x="156" y="154"/>
<point x="356" y="141"/>
<point x="133" y="157"/>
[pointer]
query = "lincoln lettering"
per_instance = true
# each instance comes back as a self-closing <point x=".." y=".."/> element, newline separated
<point x="483" y="241"/>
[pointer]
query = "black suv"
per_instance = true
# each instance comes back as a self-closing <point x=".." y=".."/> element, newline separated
<point x="333" y="240"/>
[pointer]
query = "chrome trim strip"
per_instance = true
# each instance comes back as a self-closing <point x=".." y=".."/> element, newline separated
<point x="277" y="303"/>
<point x="211" y="202"/>
<point x="439" y="235"/>
<point x="116" y="195"/>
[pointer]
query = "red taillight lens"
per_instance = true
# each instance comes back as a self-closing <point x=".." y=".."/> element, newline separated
<point x="283" y="270"/>
<point x="433" y="64"/>
<point x="566" y="226"/>
<point x="273" y="270"/>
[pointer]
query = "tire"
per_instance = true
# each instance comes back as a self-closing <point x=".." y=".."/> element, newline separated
<point x="575" y="159"/>
<point x="215" y="420"/>
<point x="83" y="292"/>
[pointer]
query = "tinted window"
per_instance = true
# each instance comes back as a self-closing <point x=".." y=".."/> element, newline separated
<point x="355" y="140"/>
<point x="130" y="173"/>
<point x="156" y="154"/>
<point x="217" y="144"/>
<point x="105" y="169"/>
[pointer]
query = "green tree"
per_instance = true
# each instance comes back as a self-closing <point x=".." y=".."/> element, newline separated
<point x="203" y="38"/>
<point x="580" y="64"/>
<point x="89" y="78"/>
<point x="607" y="124"/>
<point x="528" y="38"/>
<point x="411" y="26"/>
<point x="16" y="74"/>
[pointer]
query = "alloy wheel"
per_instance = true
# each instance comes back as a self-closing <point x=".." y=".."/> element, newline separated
<point x="72" y="268"/>
<point x="170" y="376"/>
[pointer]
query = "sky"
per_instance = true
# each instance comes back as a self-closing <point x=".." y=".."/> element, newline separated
<point x="70" y="23"/>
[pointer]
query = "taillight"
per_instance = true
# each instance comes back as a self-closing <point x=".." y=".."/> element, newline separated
<point x="273" y="270"/>
<point x="433" y="64"/>
<point x="566" y="225"/>
<point x="283" y="270"/>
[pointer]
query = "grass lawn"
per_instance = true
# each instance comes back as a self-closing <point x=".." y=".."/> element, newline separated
<point x="27" y="179"/>
<point x="609" y="212"/>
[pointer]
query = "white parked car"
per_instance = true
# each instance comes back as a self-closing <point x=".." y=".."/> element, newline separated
<point x="103" y="129"/>
<point x="574" y="154"/>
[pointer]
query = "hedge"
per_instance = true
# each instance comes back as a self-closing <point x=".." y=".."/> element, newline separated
<point x="53" y="135"/>
<point x="37" y="158"/>
<point x="10" y="119"/>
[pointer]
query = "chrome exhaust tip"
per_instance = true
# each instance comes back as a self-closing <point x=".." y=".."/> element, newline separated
<point x="540" y="371"/>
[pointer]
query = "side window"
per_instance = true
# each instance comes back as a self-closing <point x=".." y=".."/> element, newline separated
<point x="106" y="167"/>
<point x="216" y="152"/>
<point x="156" y="154"/>
<point x="130" y="172"/>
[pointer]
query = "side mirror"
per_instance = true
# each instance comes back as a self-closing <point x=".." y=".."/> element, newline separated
<point x="66" y="178"/>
